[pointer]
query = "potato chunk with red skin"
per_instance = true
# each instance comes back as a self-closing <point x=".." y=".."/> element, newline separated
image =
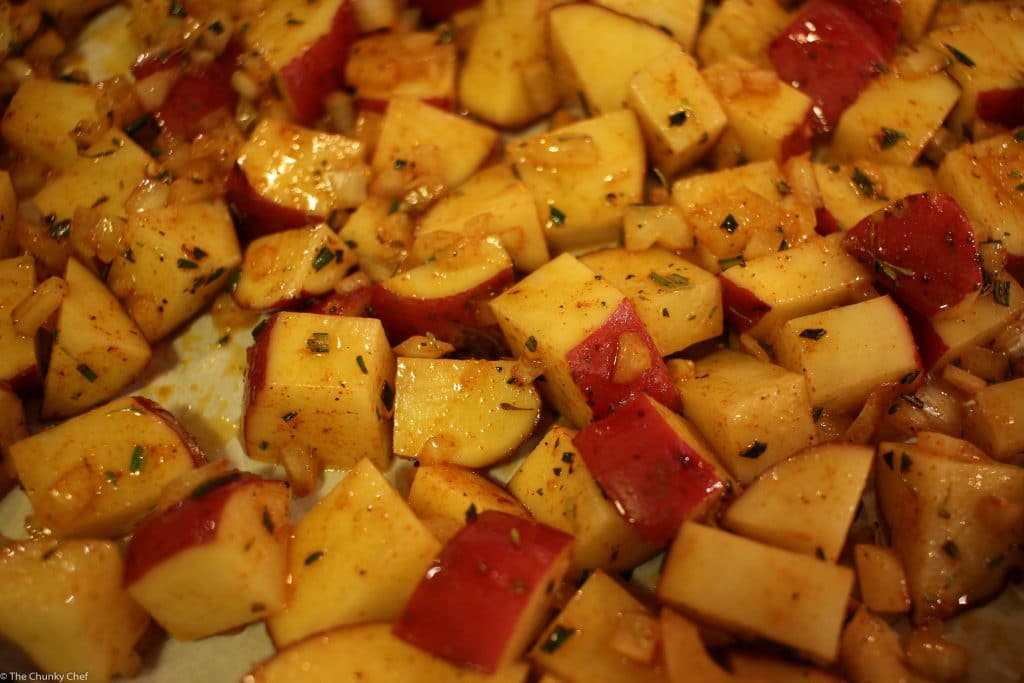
<point x="922" y="249"/>
<point x="488" y="593"/>
<point x="654" y="467"/>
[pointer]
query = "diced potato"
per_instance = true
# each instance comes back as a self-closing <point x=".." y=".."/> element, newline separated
<point x="465" y="412"/>
<point x="678" y="112"/>
<point x="679" y="303"/>
<point x="507" y="79"/>
<point x="380" y="236"/>
<point x="288" y="265"/>
<point x="575" y="646"/>
<point x="597" y="51"/>
<point x="19" y="362"/>
<point x="558" y="489"/>
<point x="583" y="176"/>
<point x="957" y="541"/>
<point x="871" y="652"/>
<point x="64" y="605"/>
<point x="769" y="670"/>
<point x="766" y="115"/>
<point x="754" y="414"/>
<point x="431" y="142"/>
<point x="13" y="428"/>
<point x="418" y="66"/>
<point x="356" y="557"/>
<point x="644" y="226"/>
<point x="684" y="653"/>
<point x="177" y="260"/>
<point x="743" y="28"/>
<point x="678" y="18"/>
<point x="8" y="217"/>
<point x="870" y="341"/>
<point x="883" y="585"/>
<point x="102" y="177"/>
<point x="492" y="202"/>
<point x="806" y="503"/>
<point x="773" y="289"/>
<point x="446" y="497"/>
<point x="894" y="118"/>
<point x="320" y="384"/>
<point x="915" y="18"/>
<point x="854" y="191"/>
<point x="102" y="472"/>
<point x="43" y="115"/>
<point x="997" y="419"/>
<point x="98" y="350"/>
<point x="372" y="654"/>
<point x="752" y="588"/>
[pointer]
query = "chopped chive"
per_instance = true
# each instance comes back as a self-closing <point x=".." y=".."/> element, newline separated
<point x="387" y="396"/>
<point x="1001" y="292"/>
<point x="677" y="118"/>
<point x="783" y="188"/>
<point x="322" y="258"/>
<point x="313" y="557"/>
<point x="400" y="164"/>
<point x="558" y="637"/>
<point x="960" y="56"/>
<point x="672" y="281"/>
<point x="531" y="343"/>
<point x="727" y="263"/>
<point x="863" y="183"/>
<point x="994" y="562"/>
<point x="729" y="224"/>
<point x="889" y="137"/>
<point x="318" y="343"/>
<point x="471" y="513"/>
<point x="887" y="459"/>
<point x="176" y="9"/>
<point x="784" y="245"/>
<point x="755" y="450"/>
<point x="817" y="412"/>
<point x="290" y="415"/>
<point x="137" y="125"/>
<point x="86" y="372"/>
<point x="111" y="477"/>
<point x="216" y="28"/>
<point x="362" y="364"/>
<point x="814" y="333"/>
<point x="263" y="445"/>
<point x="1019" y="137"/>
<point x="892" y="271"/>
<point x="187" y="264"/>
<point x="215" y="483"/>
<point x="557" y="217"/>
<point x="268" y="523"/>
<point x="232" y="284"/>
<point x="60" y="229"/>
<point x="567" y="457"/>
<point x="138" y="460"/>
<point x="905" y="463"/>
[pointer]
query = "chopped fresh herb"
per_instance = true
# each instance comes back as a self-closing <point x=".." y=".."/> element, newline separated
<point x="755" y="450"/>
<point x="671" y="281"/>
<point x="783" y="188"/>
<point x="128" y="255"/>
<point x="471" y="513"/>
<point x="951" y="549"/>
<point x="531" y="343"/>
<point x="905" y="463"/>
<point x="292" y="21"/>
<point x="111" y="477"/>
<point x="268" y="523"/>
<point x="567" y="457"/>
<point x="887" y="459"/>
<point x="215" y="483"/>
<point x="892" y="271"/>
<point x="313" y="557"/>
<point x="558" y="637"/>
<point x="912" y="400"/>
<point x="137" y="125"/>
<point x="395" y="206"/>
<point x="665" y="313"/>
<point x="584" y="104"/>
<point x="387" y="396"/>
<point x="784" y="245"/>
<point x="216" y="28"/>
<point x="557" y="217"/>
<point x="60" y="229"/>
<point x="960" y="56"/>
<point x="445" y="37"/>
<point x="86" y="372"/>
<point x="322" y="258"/>
<point x="727" y="263"/>
<point x="678" y="118"/>
<point x="730" y="224"/>
<point x="817" y="412"/>
<point x="863" y="183"/>
<point x="176" y="9"/>
<point x="138" y="460"/>
<point x="362" y="364"/>
<point x="318" y="342"/>
<point x="1001" y="292"/>
<point x="889" y="137"/>
<point x="263" y="445"/>
<point x="233" y="282"/>
<point x="401" y="163"/>
<point x="910" y="377"/>
<point x="198" y="253"/>
<point x="1019" y="136"/>
<point x="290" y="415"/>
<point x="660" y="176"/>
<point x="187" y="264"/>
<point x="814" y="333"/>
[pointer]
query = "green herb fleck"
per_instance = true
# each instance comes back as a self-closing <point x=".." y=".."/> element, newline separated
<point x="290" y="415"/>
<point x="730" y="224"/>
<point x="567" y="457"/>
<point x="138" y="460"/>
<point x="905" y="463"/>
<point x="727" y="263"/>
<point x="558" y="637"/>
<point x="531" y="343"/>
<point x="215" y="483"/>
<point x="960" y="56"/>
<point x="313" y="557"/>
<point x="268" y="523"/>
<point x="400" y="164"/>
<point x="994" y="562"/>
<point x="318" y="343"/>
<point x="892" y="271"/>
<point x="817" y="412"/>
<point x="863" y="183"/>
<point x="60" y="229"/>
<point x="1001" y="292"/>
<point x="322" y="258"/>
<point x="111" y="477"/>
<point x="889" y="137"/>
<point x="755" y="450"/>
<point x="216" y="28"/>
<point x="362" y="364"/>
<point x="471" y="513"/>
<point x="814" y="333"/>
<point x="176" y="9"/>
<point x="263" y="445"/>
<point x="387" y="396"/>
<point x="887" y="459"/>
<point x="678" y="118"/>
<point x="783" y="188"/>
<point x="557" y="217"/>
<point x="86" y="372"/>
<point x="187" y="264"/>
<point x="672" y="281"/>
<point x="517" y="540"/>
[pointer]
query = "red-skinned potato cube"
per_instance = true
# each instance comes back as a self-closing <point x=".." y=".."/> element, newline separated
<point x="438" y="10"/>
<point x="193" y="97"/>
<point x="654" y="466"/>
<point x="830" y="53"/>
<point x="444" y="296"/>
<point x="593" y="362"/>
<point x="922" y="250"/>
<point x="306" y="45"/>
<point x="488" y="593"/>
<point x="1004" y="106"/>
<point x="357" y="303"/>
<point x="257" y="216"/>
<point x="215" y="560"/>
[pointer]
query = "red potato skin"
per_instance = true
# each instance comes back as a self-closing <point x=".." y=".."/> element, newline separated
<point x="379" y="106"/>
<point x="358" y="303"/>
<point x="592" y="365"/>
<point x="257" y="216"/>
<point x="831" y="54"/>
<point x="444" y="317"/>
<point x="654" y="478"/>
<point x="438" y="10"/>
<point x="470" y="601"/>
<point x="193" y="97"/>
<point x="825" y="223"/>
<point x="1015" y="266"/>
<point x="742" y="308"/>
<point x="27" y="383"/>
<point x="884" y="16"/>
<point x="321" y="69"/>
<point x="1004" y="106"/>
<point x="152" y="407"/>
<point x="922" y="251"/>
<point x="188" y="523"/>
<point x="256" y="364"/>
